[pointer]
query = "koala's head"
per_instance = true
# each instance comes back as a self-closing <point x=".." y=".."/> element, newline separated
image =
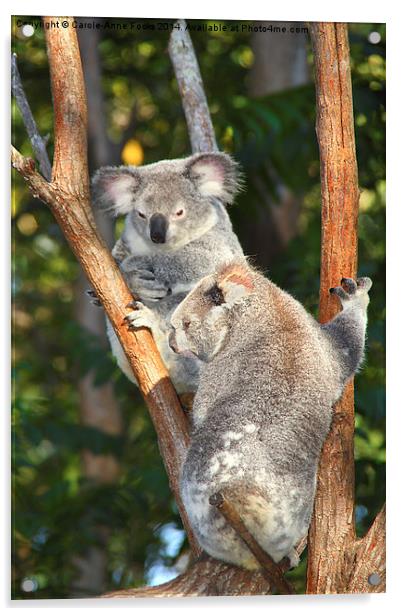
<point x="202" y="322"/>
<point x="169" y="203"/>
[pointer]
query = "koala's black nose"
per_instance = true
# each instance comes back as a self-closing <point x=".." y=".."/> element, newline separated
<point x="158" y="225"/>
<point x="172" y="342"/>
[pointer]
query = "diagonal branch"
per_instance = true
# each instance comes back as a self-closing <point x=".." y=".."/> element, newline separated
<point x="38" y="143"/>
<point x="271" y="570"/>
<point x="68" y="198"/>
<point x="189" y="80"/>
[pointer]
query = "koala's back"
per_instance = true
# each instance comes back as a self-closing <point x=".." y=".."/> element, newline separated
<point x="262" y="411"/>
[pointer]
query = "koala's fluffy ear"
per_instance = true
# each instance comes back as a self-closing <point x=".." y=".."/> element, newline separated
<point x="114" y="189"/>
<point x="235" y="281"/>
<point x="215" y="174"/>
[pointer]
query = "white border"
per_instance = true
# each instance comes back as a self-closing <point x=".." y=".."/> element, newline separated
<point x="341" y="10"/>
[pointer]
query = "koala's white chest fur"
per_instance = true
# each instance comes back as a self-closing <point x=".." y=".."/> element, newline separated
<point x="138" y="246"/>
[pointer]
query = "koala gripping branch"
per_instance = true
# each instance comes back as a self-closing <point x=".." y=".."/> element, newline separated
<point x="337" y="561"/>
<point x="67" y="196"/>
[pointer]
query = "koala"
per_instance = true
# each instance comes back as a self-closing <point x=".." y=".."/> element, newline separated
<point x="270" y="375"/>
<point x="176" y="231"/>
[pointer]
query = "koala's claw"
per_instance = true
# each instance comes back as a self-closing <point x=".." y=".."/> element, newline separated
<point x="94" y="298"/>
<point x="339" y="292"/>
<point x="140" y="317"/>
<point x="349" y="285"/>
<point x="351" y="289"/>
<point x="365" y="283"/>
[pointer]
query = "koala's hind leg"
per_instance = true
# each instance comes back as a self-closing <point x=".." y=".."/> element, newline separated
<point x="347" y="330"/>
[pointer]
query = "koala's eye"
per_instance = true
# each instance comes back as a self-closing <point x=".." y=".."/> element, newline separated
<point x="215" y="295"/>
<point x="140" y="214"/>
<point x="186" y="324"/>
<point x="179" y="213"/>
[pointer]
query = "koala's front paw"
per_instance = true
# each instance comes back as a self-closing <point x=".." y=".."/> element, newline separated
<point x="147" y="287"/>
<point x="140" y="317"/>
<point x="353" y="291"/>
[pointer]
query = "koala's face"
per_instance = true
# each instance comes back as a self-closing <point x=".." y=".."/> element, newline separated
<point x="201" y="323"/>
<point x="169" y="203"/>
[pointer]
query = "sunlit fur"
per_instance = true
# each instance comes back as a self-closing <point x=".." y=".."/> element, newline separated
<point x="269" y="377"/>
<point x="191" y="195"/>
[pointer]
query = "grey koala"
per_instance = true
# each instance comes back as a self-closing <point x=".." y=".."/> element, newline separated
<point x="176" y="231"/>
<point x="269" y="377"/>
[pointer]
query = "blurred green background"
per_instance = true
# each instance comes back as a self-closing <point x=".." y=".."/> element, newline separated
<point x="92" y="509"/>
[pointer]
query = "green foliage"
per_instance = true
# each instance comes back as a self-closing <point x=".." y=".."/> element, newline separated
<point x="58" y="513"/>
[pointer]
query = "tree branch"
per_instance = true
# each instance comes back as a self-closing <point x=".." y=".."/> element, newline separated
<point x="208" y="577"/>
<point x="271" y="570"/>
<point x="332" y="529"/>
<point x="38" y="143"/>
<point x="70" y="168"/>
<point x="189" y="80"/>
<point x="368" y="574"/>
<point x="68" y="198"/>
<point x="332" y="538"/>
<point x="204" y="578"/>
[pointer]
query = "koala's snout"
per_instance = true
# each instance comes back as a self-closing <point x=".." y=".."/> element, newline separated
<point x="172" y="342"/>
<point x="158" y="225"/>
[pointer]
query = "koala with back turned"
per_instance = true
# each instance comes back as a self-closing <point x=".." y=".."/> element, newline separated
<point x="270" y="375"/>
<point x="176" y="231"/>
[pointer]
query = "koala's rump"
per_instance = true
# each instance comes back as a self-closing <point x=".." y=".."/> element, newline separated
<point x="275" y="506"/>
<point x="276" y="516"/>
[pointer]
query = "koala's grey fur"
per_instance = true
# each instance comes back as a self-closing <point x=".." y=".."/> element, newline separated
<point x="269" y="378"/>
<point x="176" y="231"/>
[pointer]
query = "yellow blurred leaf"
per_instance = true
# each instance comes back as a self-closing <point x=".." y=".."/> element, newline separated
<point x="132" y="153"/>
<point x="27" y="224"/>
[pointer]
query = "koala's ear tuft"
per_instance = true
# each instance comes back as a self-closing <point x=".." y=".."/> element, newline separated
<point x="235" y="281"/>
<point x="215" y="174"/>
<point x="114" y="189"/>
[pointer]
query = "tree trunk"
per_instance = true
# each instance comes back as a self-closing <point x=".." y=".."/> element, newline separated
<point x="332" y="546"/>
